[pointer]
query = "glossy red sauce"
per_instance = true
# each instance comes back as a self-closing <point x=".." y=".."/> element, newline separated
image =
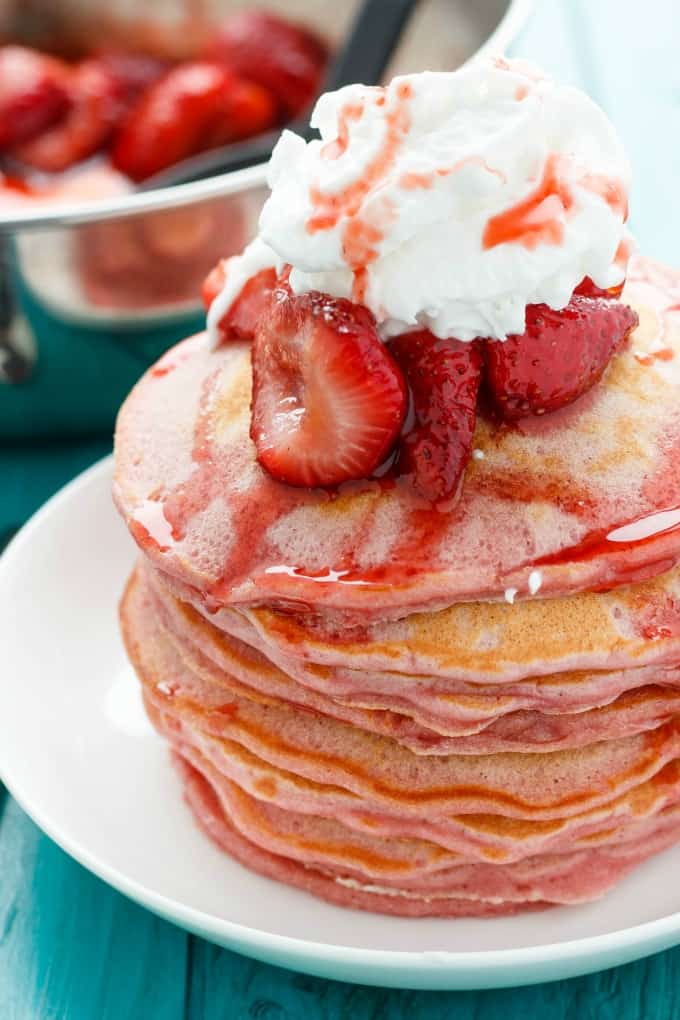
<point x="527" y="223"/>
<point x="598" y="543"/>
<point x="360" y="236"/>
<point x="350" y="111"/>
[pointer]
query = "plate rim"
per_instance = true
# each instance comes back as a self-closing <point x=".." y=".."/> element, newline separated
<point x="441" y="969"/>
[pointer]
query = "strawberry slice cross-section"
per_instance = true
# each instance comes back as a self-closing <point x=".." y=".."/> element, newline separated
<point x="444" y="377"/>
<point x="560" y="355"/>
<point x="328" y="398"/>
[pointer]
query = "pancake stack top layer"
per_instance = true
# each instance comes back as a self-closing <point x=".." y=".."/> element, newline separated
<point x="358" y="707"/>
<point x="548" y="496"/>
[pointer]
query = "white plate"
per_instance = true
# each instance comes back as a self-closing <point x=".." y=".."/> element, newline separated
<point x="78" y="754"/>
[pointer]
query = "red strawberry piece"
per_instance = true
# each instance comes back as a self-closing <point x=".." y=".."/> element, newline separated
<point x="560" y="355"/>
<point x="33" y="93"/>
<point x="444" y="377"/>
<point x="246" y="109"/>
<point x="285" y="58"/>
<point x="95" y="108"/>
<point x="134" y="73"/>
<point x="213" y="283"/>
<point x="241" y="319"/>
<point x="328" y="398"/>
<point x="193" y="107"/>
<point x="587" y="288"/>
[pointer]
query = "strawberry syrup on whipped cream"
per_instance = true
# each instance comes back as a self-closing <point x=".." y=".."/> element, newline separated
<point x="448" y="201"/>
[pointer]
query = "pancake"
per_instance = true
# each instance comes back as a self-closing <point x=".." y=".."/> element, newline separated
<point x="382" y="789"/>
<point x="484" y="723"/>
<point x="572" y="495"/>
<point x="319" y="843"/>
<point x="375" y="864"/>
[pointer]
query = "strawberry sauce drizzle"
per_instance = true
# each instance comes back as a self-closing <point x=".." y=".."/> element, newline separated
<point x="350" y="111"/>
<point x="252" y="511"/>
<point x="664" y="354"/>
<point x="537" y="218"/>
<point x="412" y="181"/>
<point x="361" y="236"/>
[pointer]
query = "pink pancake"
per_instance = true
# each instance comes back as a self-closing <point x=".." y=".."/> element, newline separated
<point x="551" y="494"/>
<point x="490" y="893"/>
<point x="228" y="664"/>
<point x="197" y="719"/>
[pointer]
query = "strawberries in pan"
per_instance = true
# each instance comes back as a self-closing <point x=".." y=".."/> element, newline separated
<point x="443" y="377"/>
<point x="193" y="107"/>
<point x="34" y="93"/>
<point x="328" y="397"/>
<point x="240" y="320"/>
<point x="560" y="355"/>
<point x="95" y="108"/>
<point x="286" y="59"/>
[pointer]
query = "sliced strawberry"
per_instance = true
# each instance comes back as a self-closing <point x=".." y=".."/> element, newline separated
<point x="285" y="58"/>
<point x="587" y="288"/>
<point x="328" y="398"/>
<point x="443" y="376"/>
<point x="95" y="109"/>
<point x="193" y="107"/>
<point x="33" y="93"/>
<point x="133" y="72"/>
<point x="241" y="319"/>
<point x="246" y="109"/>
<point x="560" y="355"/>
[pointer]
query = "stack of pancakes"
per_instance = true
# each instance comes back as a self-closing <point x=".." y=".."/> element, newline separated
<point x="405" y="710"/>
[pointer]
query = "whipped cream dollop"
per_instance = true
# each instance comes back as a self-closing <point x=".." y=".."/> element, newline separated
<point x="446" y="200"/>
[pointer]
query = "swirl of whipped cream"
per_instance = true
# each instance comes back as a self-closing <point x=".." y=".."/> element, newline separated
<point x="447" y="200"/>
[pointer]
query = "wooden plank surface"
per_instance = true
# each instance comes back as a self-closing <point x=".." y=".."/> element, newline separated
<point x="73" y="949"/>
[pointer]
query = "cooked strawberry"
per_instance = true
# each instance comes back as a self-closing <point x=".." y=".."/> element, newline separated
<point x="213" y="283"/>
<point x="240" y="320"/>
<point x="246" y="109"/>
<point x="191" y="108"/>
<point x="285" y="58"/>
<point x="328" y="398"/>
<point x="443" y="376"/>
<point x="33" y="93"/>
<point x="86" y="128"/>
<point x="587" y="288"/>
<point x="133" y="72"/>
<point x="560" y="355"/>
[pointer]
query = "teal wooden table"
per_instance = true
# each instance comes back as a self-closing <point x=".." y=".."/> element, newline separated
<point x="73" y="949"/>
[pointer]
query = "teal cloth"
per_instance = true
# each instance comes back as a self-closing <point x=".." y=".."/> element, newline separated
<point x="81" y="374"/>
<point x="73" y="949"/>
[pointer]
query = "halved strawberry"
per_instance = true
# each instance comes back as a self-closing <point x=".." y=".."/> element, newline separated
<point x="328" y="398"/>
<point x="444" y="377"/>
<point x="240" y="320"/>
<point x="587" y="288"/>
<point x="33" y="93"/>
<point x="95" y="109"/>
<point x="560" y="355"/>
